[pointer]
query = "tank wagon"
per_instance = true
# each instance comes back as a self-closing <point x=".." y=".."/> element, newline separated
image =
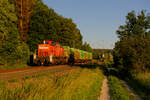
<point x="51" y="52"/>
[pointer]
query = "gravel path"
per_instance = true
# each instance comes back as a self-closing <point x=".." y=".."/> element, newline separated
<point x="4" y="76"/>
<point x="104" y="94"/>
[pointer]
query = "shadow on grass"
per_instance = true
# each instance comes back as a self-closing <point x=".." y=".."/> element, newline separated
<point x="108" y="70"/>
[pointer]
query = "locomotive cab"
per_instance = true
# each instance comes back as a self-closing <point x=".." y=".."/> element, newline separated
<point x="49" y="52"/>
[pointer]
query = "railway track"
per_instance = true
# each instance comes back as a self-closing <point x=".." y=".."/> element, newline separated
<point x="20" y="73"/>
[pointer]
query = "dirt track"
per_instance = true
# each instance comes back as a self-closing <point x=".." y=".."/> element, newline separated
<point x="104" y="94"/>
<point x="20" y="73"/>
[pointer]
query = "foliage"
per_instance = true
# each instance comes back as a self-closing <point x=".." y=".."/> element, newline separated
<point x="12" y="50"/>
<point x="46" y="24"/>
<point x="117" y="91"/>
<point x="78" y="85"/>
<point x="132" y="51"/>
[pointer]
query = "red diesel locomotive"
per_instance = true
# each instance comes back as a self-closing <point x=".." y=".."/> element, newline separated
<point x="49" y="52"/>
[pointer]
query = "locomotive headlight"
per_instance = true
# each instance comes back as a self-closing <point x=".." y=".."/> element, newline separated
<point x="42" y="47"/>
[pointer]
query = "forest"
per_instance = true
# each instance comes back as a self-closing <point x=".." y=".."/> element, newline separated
<point x="25" y="24"/>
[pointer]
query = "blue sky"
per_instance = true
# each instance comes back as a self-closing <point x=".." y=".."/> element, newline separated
<point x="98" y="20"/>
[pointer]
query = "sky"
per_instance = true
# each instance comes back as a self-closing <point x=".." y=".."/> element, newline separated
<point x="98" y="20"/>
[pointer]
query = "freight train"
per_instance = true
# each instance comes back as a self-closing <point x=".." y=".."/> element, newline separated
<point x="51" y="52"/>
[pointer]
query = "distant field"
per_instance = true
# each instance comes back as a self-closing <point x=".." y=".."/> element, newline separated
<point x="83" y="84"/>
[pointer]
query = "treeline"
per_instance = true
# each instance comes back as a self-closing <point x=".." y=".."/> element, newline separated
<point x="45" y="24"/>
<point x="132" y="51"/>
<point x="103" y="54"/>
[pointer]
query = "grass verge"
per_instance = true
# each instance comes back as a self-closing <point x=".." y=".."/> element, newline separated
<point x="141" y="84"/>
<point x="117" y="91"/>
<point x="78" y="85"/>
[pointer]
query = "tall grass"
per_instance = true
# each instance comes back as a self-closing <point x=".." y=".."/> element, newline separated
<point x="117" y="91"/>
<point x="79" y="85"/>
<point x="85" y="87"/>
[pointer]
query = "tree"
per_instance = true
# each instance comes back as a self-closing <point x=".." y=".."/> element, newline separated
<point x="24" y="10"/>
<point x="12" y="50"/>
<point x="135" y="25"/>
<point x="132" y="51"/>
